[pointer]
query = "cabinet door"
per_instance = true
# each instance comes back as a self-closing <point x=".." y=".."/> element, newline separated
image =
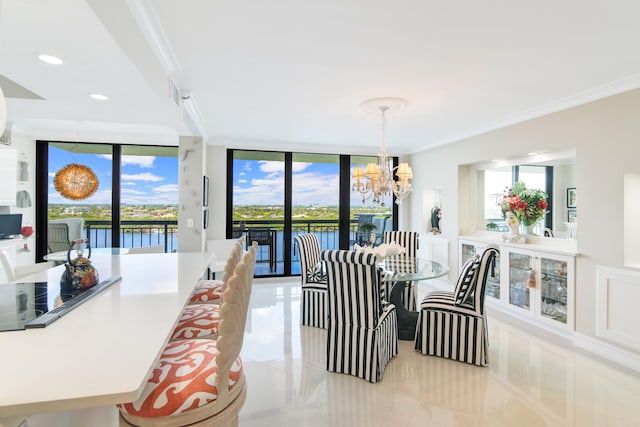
<point x="493" y="283"/>
<point x="467" y="250"/>
<point x="554" y="288"/>
<point x="521" y="273"/>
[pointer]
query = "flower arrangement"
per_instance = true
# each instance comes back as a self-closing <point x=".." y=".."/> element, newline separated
<point x="528" y="205"/>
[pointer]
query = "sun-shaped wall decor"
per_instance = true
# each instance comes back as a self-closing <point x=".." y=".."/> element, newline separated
<point x="75" y="181"/>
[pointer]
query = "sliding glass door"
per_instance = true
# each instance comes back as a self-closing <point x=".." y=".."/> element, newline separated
<point x="274" y="196"/>
<point x="135" y="204"/>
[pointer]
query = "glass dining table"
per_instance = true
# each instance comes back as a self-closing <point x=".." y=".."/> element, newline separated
<point x="62" y="255"/>
<point x="401" y="270"/>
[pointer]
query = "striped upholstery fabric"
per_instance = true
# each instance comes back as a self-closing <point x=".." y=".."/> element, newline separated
<point x="457" y="331"/>
<point x="466" y="279"/>
<point x="362" y="332"/>
<point x="313" y="304"/>
<point x="409" y="241"/>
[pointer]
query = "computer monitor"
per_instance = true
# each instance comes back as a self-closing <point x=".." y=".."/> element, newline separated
<point x="10" y="225"/>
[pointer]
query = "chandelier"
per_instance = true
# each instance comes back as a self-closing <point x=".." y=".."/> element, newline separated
<point x="377" y="180"/>
<point x="75" y="182"/>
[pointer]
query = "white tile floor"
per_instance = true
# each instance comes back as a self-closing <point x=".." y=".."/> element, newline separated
<point x="530" y="381"/>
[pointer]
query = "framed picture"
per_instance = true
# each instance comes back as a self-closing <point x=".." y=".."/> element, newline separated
<point x="572" y="198"/>
<point x="572" y="215"/>
<point x="205" y="219"/>
<point x="205" y="191"/>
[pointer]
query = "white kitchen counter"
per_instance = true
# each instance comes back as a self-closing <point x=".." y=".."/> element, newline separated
<point x="100" y="353"/>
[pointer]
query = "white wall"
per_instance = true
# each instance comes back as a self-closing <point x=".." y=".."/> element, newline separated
<point x="192" y="155"/>
<point x="216" y="170"/>
<point x="605" y="134"/>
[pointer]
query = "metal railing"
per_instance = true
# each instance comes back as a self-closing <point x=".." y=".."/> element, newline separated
<point x="142" y="233"/>
<point x="134" y="233"/>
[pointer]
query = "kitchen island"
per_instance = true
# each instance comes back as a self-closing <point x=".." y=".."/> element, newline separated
<point x="100" y="353"/>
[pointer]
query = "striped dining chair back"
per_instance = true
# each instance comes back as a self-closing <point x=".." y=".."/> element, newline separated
<point x="313" y="304"/>
<point x="362" y="330"/>
<point x="409" y="241"/>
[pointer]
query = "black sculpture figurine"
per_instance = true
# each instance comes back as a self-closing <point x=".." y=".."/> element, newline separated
<point x="436" y="214"/>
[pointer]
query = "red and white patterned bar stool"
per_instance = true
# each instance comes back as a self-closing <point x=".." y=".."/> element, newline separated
<point x="198" y="321"/>
<point x="200" y="382"/>
<point x="208" y="291"/>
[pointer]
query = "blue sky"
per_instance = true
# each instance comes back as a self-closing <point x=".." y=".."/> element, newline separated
<point x="261" y="182"/>
<point x="154" y="180"/>
<point x="144" y="179"/>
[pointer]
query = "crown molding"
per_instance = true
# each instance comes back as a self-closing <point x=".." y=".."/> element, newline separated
<point x="599" y="92"/>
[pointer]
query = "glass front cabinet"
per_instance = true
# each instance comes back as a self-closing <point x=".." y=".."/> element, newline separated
<point x="533" y="283"/>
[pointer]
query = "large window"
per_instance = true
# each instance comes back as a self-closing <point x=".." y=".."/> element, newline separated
<point x="134" y="206"/>
<point x="275" y="196"/>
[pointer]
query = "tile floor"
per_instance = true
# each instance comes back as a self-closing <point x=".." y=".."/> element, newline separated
<point x="532" y="380"/>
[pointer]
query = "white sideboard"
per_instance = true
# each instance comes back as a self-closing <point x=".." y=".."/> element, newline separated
<point x="532" y="282"/>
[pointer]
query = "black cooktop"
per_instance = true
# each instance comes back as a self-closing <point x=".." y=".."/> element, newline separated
<point x="38" y="304"/>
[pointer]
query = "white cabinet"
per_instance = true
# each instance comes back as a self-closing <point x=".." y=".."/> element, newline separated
<point x="469" y="249"/>
<point x="533" y="283"/>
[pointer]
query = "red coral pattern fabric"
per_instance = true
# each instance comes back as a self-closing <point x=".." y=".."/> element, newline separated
<point x="197" y="321"/>
<point x="207" y="290"/>
<point x="184" y="379"/>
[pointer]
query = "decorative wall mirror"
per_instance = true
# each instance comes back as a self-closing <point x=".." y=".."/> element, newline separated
<point x="553" y="173"/>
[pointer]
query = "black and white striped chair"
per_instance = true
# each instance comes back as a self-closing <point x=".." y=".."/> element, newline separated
<point x="453" y="324"/>
<point x="409" y="241"/>
<point x="313" y="305"/>
<point x="362" y="332"/>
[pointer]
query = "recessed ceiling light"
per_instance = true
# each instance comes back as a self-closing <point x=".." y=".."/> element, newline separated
<point x="50" y="59"/>
<point x="533" y="153"/>
<point x="98" y="96"/>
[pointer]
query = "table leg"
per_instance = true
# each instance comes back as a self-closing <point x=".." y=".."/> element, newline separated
<point x="407" y="320"/>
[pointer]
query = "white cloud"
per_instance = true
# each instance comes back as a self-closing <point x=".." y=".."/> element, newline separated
<point x="142" y="177"/>
<point x="168" y="188"/>
<point x="131" y="191"/>
<point x="242" y="173"/>
<point x="140" y="161"/>
<point x="299" y="166"/>
<point x="242" y="181"/>
<point x="311" y="188"/>
<point x="270" y="166"/>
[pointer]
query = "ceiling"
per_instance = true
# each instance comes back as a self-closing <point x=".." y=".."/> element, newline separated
<point x="282" y="74"/>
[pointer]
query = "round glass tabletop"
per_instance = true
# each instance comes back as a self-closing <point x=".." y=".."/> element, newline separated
<point x="402" y="268"/>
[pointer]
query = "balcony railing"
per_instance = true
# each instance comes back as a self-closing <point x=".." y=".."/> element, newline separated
<point x="142" y="233"/>
<point x="134" y="233"/>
